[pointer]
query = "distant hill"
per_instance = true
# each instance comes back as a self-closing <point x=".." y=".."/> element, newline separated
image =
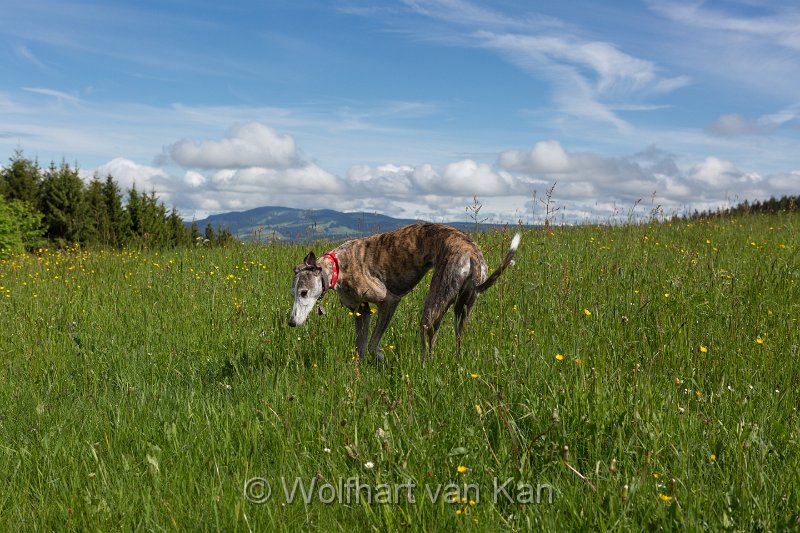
<point x="284" y="223"/>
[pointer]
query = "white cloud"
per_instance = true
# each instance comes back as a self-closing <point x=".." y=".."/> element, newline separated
<point x="777" y="25"/>
<point x="734" y="124"/>
<point x="719" y="174"/>
<point x="306" y="179"/>
<point x="547" y="157"/>
<point x="785" y="183"/>
<point x="60" y="96"/>
<point x="460" y="178"/>
<point x="471" y="178"/>
<point x="194" y="179"/>
<point x="590" y="78"/>
<point x="731" y="125"/>
<point x="128" y="173"/>
<point x="245" y="145"/>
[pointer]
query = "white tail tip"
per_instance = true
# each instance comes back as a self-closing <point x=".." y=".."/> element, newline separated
<point x="515" y="242"/>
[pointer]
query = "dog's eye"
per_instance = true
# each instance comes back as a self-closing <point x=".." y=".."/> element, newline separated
<point x="303" y="293"/>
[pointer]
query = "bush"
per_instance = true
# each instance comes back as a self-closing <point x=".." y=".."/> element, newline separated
<point x="21" y="227"/>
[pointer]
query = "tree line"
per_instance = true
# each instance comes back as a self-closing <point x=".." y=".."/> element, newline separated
<point x="55" y="205"/>
<point x="784" y="204"/>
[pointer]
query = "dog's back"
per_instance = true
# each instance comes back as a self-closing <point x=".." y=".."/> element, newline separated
<point x="402" y="257"/>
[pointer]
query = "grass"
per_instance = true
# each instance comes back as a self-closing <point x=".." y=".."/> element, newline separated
<point x="648" y="374"/>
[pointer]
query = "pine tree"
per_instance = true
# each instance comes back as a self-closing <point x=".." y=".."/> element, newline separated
<point x="179" y="235"/>
<point x="98" y="229"/>
<point x="118" y="217"/>
<point x="135" y="212"/>
<point x="194" y="232"/>
<point x="209" y="233"/>
<point x="224" y="236"/>
<point x="155" y="221"/>
<point x="63" y="205"/>
<point x="21" y="179"/>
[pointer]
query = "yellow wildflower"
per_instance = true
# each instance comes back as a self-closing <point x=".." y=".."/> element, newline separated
<point x="559" y="357"/>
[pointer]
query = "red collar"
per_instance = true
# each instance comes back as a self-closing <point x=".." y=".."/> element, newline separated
<point x="334" y="266"/>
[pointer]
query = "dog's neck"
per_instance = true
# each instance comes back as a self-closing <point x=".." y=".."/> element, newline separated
<point x="329" y="263"/>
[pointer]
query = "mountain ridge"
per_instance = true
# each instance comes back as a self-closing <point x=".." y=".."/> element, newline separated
<point x="271" y="223"/>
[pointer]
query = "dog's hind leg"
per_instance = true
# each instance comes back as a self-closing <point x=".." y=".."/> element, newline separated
<point x="386" y="309"/>
<point x="466" y="299"/>
<point x="445" y="286"/>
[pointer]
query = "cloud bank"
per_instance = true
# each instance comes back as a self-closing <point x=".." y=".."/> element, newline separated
<point x="252" y="165"/>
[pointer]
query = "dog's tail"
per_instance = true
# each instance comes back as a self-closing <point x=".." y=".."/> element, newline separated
<point x="509" y="260"/>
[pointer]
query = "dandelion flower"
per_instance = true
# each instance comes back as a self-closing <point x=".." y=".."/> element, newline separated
<point x="666" y="295"/>
<point x="559" y="357"/>
<point x="474" y="376"/>
<point x="665" y="498"/>
<point x="586" y="312"/>
<point x="461" y="469"/>
<point x="578" y="361"/>
<point x="713" y="457"/>
<point x="702" y="349"/>
<point x="478" y="409"/>
<point x="759" y="340"/>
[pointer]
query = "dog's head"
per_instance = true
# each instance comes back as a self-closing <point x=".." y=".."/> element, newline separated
<point x="307" y="288"/>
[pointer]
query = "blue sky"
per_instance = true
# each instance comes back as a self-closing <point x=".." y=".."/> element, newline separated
<point x="411" y="108"/>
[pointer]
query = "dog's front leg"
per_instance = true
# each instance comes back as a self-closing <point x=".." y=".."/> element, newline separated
<point x="362" y="317"/>
<point x="386" y="309"/>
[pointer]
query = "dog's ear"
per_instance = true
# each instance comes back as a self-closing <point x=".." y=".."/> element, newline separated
<point x="311" y="259"/>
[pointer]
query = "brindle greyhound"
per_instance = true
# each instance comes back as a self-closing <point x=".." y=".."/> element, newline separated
<point x="383" y="268"/>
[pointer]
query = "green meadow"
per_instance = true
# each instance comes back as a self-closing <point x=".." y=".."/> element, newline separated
<point x="616" y="378"/>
